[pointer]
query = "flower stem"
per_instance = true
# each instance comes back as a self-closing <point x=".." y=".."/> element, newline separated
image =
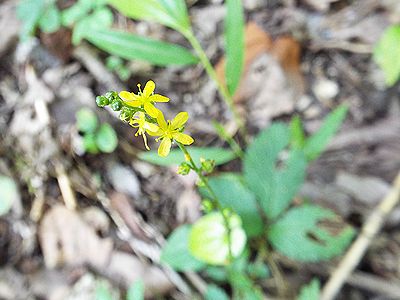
<point x="214" y="197"/>
<point x="213" y="75"/>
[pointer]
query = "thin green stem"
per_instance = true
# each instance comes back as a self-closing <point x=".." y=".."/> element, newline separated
<point x="213" y="75"/>
<point x="214" y="197"/>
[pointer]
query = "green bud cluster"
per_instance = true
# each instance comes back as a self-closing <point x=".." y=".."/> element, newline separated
<point x="207" y="165"/>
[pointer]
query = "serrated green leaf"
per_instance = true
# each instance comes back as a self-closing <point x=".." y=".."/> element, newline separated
<point x="101" y="18"/>
<point x="106" y="139"/>
<point x="232" y="193"/>
<point x="130" y="46"/>
<point x="316" y="144"/>
<point x="299" y="235"/>
<point x="209" y="240"/>
<point x="136" y="291"/>
<point x="274" y="187"/>
<point x="165" y="12"/>
<point x="310" y="291"/>
<point x="50" y="21"/>
<point x="176" y="157"/>
<point x="176" y="252"/>
<point x="387" y="54"/>
<point x="8" y="194"/>
<point x="234" y="39"/>
<point x="215" y="293"/>
<point x="86" y="120"/>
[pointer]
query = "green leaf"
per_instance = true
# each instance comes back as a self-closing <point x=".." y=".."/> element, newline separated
<point x="86" y="120"/>
<point x="8" y="194"/>
<point x="217" y="273"/>
<point x="310" y="291"/>
<point x="209" y="241"/>
<point x="50" y="21"/>
<point x="76" y="12"/>
<point x="274" y="187"/>
<point x="300" y="235"/>
<point x="215" y="293"/>
<point x="176" y="252"/>
<point x="243" y="287"/>
<point x="89" y="143"/>
<point x="232" y="193"/>
<point x="171" y="13"/>
<point x="387" y="54"/>
<point x="316" y="144"/>
<point x="130" y="46"/>
<point x="297" y="136"/>
<point x="101" y="18"/>
<point x="106" y="139"/>
<point x="234" y="39"/>
<point x="29" y="12"/>
<point x="136" y="291"/>
<point x="176" y="157"/>
<point x="258" y="270"/>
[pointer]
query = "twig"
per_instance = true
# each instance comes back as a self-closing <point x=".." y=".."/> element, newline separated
<point x="353" y="256"/>
<point x="65" y="186"/>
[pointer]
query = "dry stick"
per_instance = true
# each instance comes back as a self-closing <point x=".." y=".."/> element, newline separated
<point x="355" y="253"/>
<point x="65" y="186"/>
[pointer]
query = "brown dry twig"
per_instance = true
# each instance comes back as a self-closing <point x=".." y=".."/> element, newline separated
<point x="353" y="256"/>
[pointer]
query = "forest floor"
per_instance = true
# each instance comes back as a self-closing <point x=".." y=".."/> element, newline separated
<point x="312" y="55"/>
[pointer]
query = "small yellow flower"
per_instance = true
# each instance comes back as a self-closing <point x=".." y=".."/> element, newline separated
<point x="144" y="99"/>
<point x="171" y="130"/>
<point x="143" y="127"/>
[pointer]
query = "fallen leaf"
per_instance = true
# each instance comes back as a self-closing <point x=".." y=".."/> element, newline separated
<point x="66" y="239"/>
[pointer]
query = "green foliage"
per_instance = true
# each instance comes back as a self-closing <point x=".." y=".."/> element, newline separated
<point x="136" y="291"/>
<point x="171" y="13"/>
<point x="209" y="240"/>
<point x="130" y="46"/>
<point x="176" y="253"/>
<point x="297" y="135"/>
<point x="8" y="194"/>
<point x="243" y="287"/>
<point x="316" y="144"/>
<point x="38" y="13"/>
<point x="233" y="194"/>
<point x="106" y="138"/>
<point x="215" y="293"/>
<point x="116" y="64"/>
<point x="219" y="155"/>
<point x="101" y="18"/>
<point x="95" y="138"/>
<point x="274" y="187"/>
<point x="387" y="54"/>
<point x="234" y="37"/>
<point x="86" y="120"/>
<point x="310" y="291"/>
<point x="258" y="270"/>
<point x="300" y="235"/>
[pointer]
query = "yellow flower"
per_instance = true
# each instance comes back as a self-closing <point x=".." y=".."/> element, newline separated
<point x="145" y="98"/>
<point x="171" y="130"/>
<point x="143" y="127"/>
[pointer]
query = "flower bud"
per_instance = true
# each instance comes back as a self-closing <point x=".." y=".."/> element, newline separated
<point x="126" y="114"/>
<point x="207" y="165"/>
<point x="111" y="95"/>
<point x="184" y="168"/>
<point x="207" y="206"/>
<point x="116" y="105"/>
<point x="102" y="101"/>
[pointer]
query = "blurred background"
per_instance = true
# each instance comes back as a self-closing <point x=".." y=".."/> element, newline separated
<point x="84" y="213"/>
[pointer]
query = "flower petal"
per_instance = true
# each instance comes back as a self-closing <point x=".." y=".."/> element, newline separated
<point x="183" y="138"/>
<point x="161" y="121"/>
<point x="134" y="103"/>
<point x="150" y="127"/>
<point x="127" y="96"/>
<point x="165" y="147"/>
<point x="151" y="110"/>
<point x="149" y="88"/>
<point x="159" y="132"/>
<point x="158" y="98"/>
<point x="179" y="120"/>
